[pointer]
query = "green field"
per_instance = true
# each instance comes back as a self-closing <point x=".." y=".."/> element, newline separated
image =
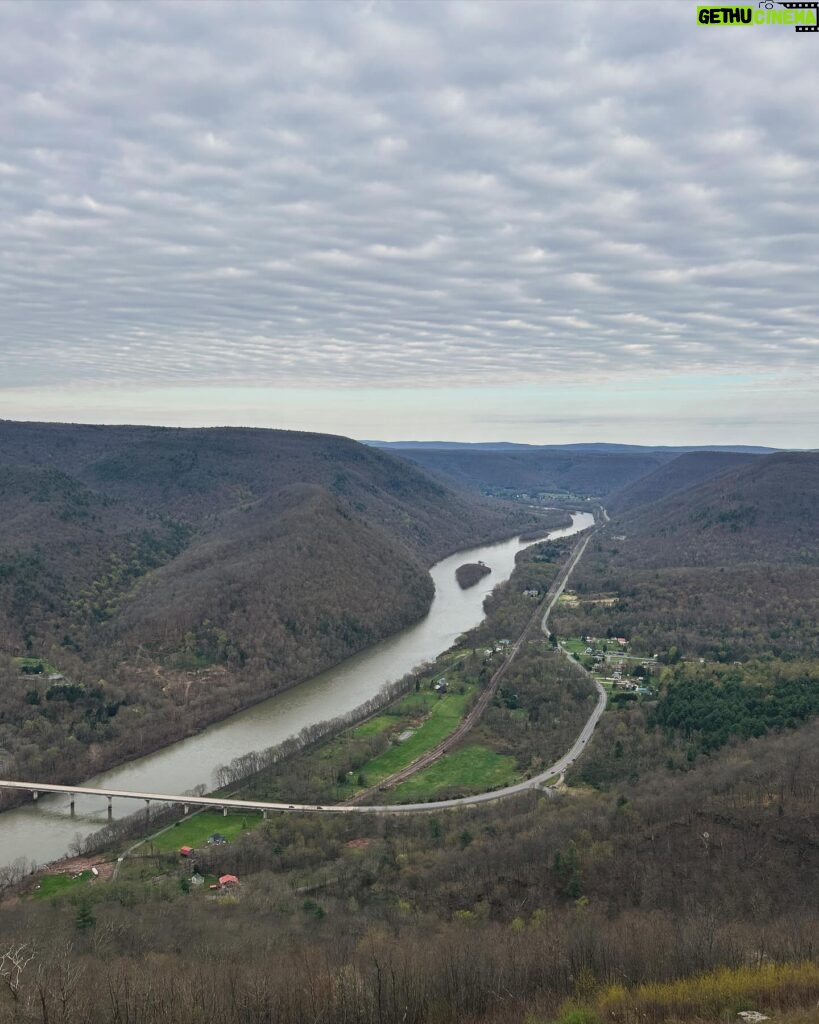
<point x="373" y="726"/>
<point x="194" y="831"/>
<point x="444" y="716"/>
<point x="57" y="885"/>
<point x="470" y="769"/>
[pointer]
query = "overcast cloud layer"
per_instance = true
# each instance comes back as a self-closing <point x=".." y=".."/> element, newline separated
<point x="403" y="193"/>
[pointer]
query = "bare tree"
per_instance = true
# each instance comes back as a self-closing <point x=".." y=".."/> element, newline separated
<point x="13" y="962"/>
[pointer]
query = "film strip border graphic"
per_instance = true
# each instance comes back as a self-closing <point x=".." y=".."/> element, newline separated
<point x="812" y="5"/>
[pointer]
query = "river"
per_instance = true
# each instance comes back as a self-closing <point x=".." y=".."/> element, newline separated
<point x="43" y="832"/>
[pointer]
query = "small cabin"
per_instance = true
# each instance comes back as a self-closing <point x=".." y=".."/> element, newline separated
<point x="185" y="851"/>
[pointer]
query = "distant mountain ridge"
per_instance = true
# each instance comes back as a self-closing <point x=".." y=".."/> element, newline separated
<point x="592" y="446"/>
<point x="582" y="474"/>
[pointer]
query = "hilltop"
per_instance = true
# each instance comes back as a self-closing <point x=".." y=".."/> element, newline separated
<point x="583" y="446"/>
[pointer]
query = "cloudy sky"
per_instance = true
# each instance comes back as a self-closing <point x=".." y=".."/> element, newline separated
<point x="549" y="222"/>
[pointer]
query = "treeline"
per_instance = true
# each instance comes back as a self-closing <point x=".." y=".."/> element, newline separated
<point x="707" y="706"/>
<point x="244" y="769"/>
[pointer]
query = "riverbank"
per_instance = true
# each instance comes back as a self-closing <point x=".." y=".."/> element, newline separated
<point x="45" y="833"/>
<point x="395" y="732"/>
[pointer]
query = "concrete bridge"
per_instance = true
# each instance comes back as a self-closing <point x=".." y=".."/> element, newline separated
<point x="225" y="804"/>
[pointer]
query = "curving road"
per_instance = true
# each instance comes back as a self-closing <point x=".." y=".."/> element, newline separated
<point x="536" y="781"/>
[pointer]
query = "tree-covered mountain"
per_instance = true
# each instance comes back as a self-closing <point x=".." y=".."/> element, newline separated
<point x="678" y="475"/>
<point x="173" y="576"/>
<point x="726" y="569"/>
<point x="764" y="511"/>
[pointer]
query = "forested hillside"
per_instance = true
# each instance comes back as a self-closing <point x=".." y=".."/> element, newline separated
<point x="727" y="569"/>
<point x="529" y="910"/>
<point x="681" y="473"/>
<point x="766" y="511"/>
<point x="171" y="576"/>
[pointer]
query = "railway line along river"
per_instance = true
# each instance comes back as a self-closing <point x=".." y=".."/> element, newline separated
<point x="44" y="831"/>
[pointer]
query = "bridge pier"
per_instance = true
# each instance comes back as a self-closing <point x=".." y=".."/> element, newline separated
<point x="34" y="795"/>
<point x="224" y="812"/>
<point x="71" y="803"/>
<point x="187" y="809"/>
<point x="264" y="813"/>
<point x="110" y="808"/>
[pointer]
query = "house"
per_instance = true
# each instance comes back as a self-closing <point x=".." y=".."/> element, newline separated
<point x="185" y="851"/>
<point x="228" y="881"/>
<point x="440" y="686"/>
<point x="217" y="839"/>
<point x="531" y="593"/>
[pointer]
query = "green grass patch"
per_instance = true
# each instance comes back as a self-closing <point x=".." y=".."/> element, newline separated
<point x="56" y="885"/>
<point x="373" y="726"/>
<point x="414" y="703"/>
<point x="444" y="715"/>
<point x="471" y="769"/>
<point x="194" y="831"/>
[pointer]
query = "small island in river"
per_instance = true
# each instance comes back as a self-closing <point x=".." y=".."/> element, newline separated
<point x="468" y="574"/>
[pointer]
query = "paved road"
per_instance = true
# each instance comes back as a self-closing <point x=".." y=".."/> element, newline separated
<point x="558" y="768"/>
<point x="434" y="753"/>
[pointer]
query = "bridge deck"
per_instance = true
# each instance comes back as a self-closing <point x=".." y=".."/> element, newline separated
<point x="198" y="801"/>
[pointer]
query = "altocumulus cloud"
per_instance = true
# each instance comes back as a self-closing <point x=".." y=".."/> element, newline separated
<point x="367" y="193"/>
